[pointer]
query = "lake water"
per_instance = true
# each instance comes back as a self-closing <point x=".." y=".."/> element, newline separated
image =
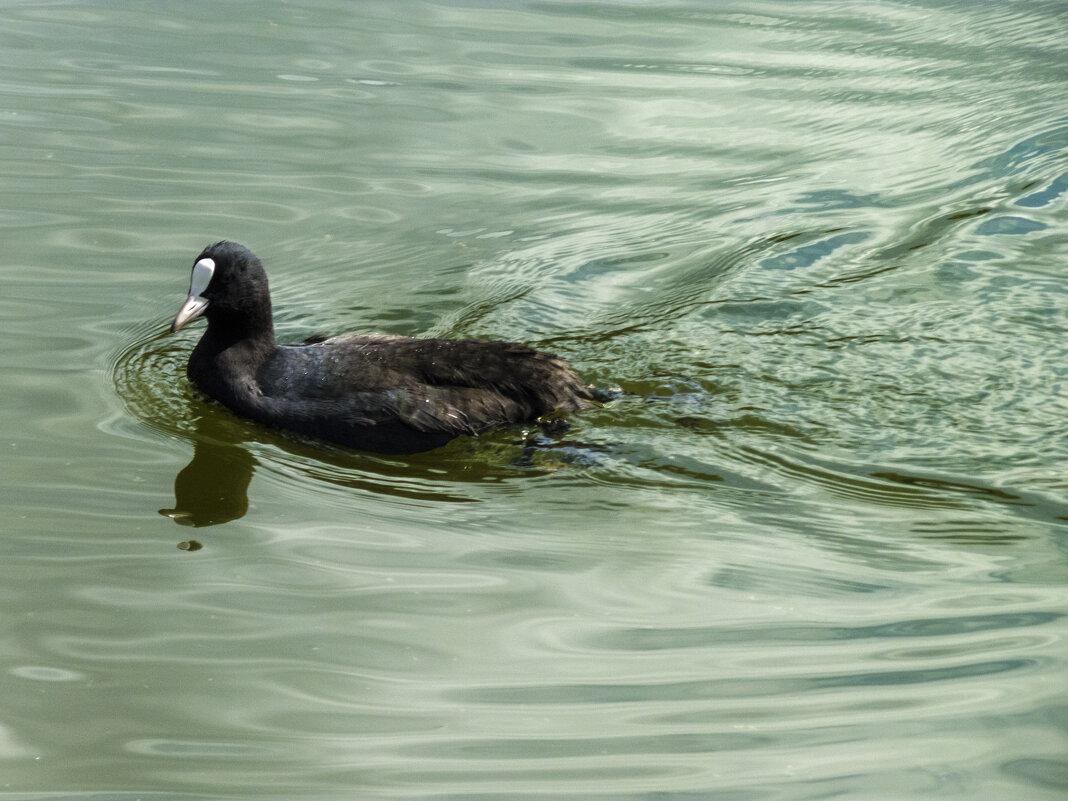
<point x="817" y="549"/>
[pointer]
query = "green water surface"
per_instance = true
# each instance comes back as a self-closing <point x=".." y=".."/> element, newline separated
<point x="816" y="550"/>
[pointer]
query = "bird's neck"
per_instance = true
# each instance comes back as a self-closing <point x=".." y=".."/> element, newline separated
<point x="256" y="332"/>
<point x="226" y="362"/>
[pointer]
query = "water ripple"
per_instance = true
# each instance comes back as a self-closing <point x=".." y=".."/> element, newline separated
<point x="816" y="548"/>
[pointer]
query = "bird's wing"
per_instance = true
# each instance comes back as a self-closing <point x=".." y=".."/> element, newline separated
<point x="464" y="386"/>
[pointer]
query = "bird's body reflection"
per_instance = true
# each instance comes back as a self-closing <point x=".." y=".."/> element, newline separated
<point x="213" y="487"/>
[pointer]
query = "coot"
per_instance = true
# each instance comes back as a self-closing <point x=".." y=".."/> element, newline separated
<point x="375" y="392"/>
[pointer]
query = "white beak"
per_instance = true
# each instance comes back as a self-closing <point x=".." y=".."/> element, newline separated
<point x="195" y="305"/>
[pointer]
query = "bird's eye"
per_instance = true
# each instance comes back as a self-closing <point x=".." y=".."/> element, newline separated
<point x="203" y="270"/>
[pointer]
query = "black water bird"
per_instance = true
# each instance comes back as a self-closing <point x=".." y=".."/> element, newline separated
<point x="374" y="392"/>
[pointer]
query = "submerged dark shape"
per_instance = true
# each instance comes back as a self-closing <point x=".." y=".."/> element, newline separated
<point x="375" y="392"/>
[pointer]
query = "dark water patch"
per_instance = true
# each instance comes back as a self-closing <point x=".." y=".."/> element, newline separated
<point x="1045" y="197"/>
<point x="1047" y="772"/>
<point x="608" y="746"/>
<point x="699" y="637"/>
<point x="636" y="693"/>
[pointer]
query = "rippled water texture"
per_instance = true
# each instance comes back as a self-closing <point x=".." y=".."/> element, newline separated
<point x="817" y="547"/>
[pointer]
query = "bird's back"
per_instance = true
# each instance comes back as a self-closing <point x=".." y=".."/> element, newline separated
<point x="383" y="392"/>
